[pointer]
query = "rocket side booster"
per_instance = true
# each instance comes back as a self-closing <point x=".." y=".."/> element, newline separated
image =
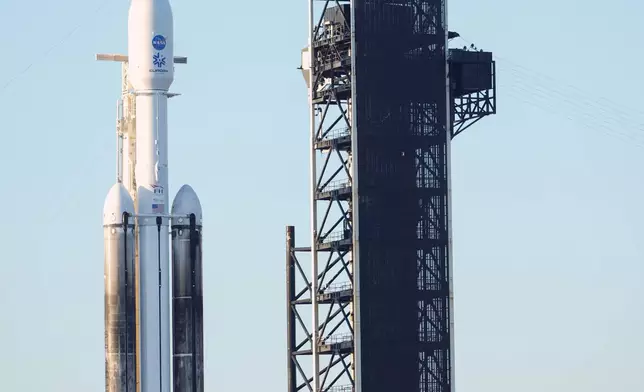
<point x="151" y="72"/>
<point x="120" y="319"/>
<point x="187" y="292"/>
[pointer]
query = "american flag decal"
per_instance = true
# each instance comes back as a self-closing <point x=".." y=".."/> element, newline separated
<point x="157" y="208"/>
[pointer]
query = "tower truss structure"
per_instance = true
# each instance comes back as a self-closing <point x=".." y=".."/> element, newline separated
<point x="369" y="302"/>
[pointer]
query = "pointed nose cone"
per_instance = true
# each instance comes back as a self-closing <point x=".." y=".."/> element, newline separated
<point x="117" y="202"/>
<point x="150" y="45"/>
<point x="185" y="203"/>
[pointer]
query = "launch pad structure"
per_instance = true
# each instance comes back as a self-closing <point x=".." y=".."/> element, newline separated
<point x="370" y="301"/>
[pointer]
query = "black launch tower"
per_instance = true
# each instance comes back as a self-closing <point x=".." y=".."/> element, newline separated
<point x="369" y="303"/>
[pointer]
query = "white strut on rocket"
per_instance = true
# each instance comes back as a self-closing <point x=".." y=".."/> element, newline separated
<point x="150" y="72"/>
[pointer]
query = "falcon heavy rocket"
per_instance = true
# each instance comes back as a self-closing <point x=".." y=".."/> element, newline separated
<point x="139" y="231"/>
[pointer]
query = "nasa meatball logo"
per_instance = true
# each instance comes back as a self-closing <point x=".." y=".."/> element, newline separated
<point x="158" y="42"/>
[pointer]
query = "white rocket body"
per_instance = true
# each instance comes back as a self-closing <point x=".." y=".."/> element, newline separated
<point x="151" y="72"/>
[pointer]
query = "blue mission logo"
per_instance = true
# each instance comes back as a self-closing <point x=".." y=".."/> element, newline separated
<point x="159" y="62"/>
<point x="158" y="42"/>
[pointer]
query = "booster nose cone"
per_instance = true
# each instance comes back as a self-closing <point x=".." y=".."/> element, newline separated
<point x="150" y="45"/>
<point x="185" y="203"/>
<point x="117" y="202"/>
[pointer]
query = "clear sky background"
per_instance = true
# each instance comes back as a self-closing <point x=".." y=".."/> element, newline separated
<point x="547" y="194"/>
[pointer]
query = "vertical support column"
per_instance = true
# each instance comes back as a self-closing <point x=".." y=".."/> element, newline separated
<point x="290" y="314"/>
<point x="313" y="201"/>
<point x="119" y="141"/>
<point x="448" y="174"/>
<point x="355" y="212"/>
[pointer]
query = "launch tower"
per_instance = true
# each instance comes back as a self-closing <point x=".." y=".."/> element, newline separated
<point x="371" y="309"/>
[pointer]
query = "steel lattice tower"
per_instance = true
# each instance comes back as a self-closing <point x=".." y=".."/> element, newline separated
<point x="373" y="309"/>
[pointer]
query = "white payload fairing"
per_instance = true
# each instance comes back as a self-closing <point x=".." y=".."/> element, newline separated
<point x="136" y="217"/>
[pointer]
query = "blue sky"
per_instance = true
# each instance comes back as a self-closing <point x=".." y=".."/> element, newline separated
<point x="547" y="194"/>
